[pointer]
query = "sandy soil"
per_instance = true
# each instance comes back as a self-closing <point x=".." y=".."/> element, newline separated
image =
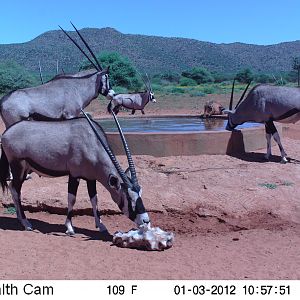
<point x="233" y="217"/>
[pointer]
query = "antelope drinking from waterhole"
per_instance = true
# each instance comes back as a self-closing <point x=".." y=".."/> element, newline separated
<point x="266" y="104"/>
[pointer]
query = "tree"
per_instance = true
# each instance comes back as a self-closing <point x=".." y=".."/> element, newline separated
<point x="121" y="73"/>
<point x="263" y="78"/>
<point x="244" y="76"/>
<point x="296" y="66"/>
<point x="14" y="76"/>
<point x="200" y="75"/>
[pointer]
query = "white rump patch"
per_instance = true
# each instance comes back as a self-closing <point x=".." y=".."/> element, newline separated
<point x="145" y="237"/>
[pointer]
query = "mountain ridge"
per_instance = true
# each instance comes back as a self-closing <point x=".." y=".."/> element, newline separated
<point x="154" y="54"/>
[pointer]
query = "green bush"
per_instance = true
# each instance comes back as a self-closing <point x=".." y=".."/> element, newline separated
<point x="209" y="90"/>
<point x="166" y="78"/>
<point x="200" y="75"/>
<point x="174" y="90"/>
<point x="184" y="81"/>
<point x="263" y="78"/>
<point x="14" y="76"/>
<point x="197" y="94"/>
<point x="122" y="73"/>
<point x="244" y="75"/>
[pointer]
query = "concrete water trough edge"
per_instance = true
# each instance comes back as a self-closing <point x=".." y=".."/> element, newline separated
<point x="162" y="144"/>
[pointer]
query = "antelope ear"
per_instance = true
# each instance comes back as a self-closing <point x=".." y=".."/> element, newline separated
<point x="107" y="69"/>
<point x="114" y="182"/>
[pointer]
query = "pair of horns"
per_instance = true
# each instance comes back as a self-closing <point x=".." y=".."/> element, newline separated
<point x="242" y="97"/>
<point x="130" y="183"/>
<point x="146" y="83"/>
<point x="96" y="65"/>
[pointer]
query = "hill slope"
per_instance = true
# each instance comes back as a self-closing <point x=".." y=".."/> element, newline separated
<point x="151" y="53"/>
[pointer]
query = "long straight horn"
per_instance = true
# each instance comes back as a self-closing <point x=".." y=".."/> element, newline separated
<point x="88" y="47"/>
<point x="128" y="153"/>
<point x="242" y="97"/>
<point x="231" y="97"/>
<point x="75" y="43"/>
<point x="109" y="152"/>
<point x="145" y="83"/>
<point x="41" y="75"/>
<point x="57" y="67"/>
<point x="149" y="83"/>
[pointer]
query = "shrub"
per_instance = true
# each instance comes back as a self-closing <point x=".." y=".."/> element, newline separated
<point x="122" y="73"/>
<point x="200" y="75"/>
<point x="263" y="78"/>
<point x="244" y="75"/>
<point x="209" y="90"/>
<point x="197" y="94"/>
<point x="184" y="81"/>
<point x="14" y="76"/>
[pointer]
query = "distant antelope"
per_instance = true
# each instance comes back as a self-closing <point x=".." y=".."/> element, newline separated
<point x="266" y="104"/>
<point x="63" y="97"/>
<point x="77" y="148"/>
<point x="212" y="108"/>
<point x="133" y="101"/>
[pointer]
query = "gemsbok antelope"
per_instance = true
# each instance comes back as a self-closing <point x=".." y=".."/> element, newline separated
<point x="133" y="101"/>
<point x="266" y="104"/>
<point x="212" y="108"/>
<point x="77" y="147"/>
<point x="61" y="98"/>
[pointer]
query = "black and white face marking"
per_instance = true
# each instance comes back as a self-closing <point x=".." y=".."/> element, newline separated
<point x="105" y="87"/>
<point x="132" y="206"/>
<point x="152" y="99"/>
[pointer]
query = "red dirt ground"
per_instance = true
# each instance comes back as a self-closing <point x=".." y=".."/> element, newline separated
<point x="233" y="218"/>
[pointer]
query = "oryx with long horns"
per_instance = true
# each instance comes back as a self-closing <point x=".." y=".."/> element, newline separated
<point x="266" y="104"/>
<point x="133" y="101"/>
<point x="78" y="148"/>
<point x="60" y="98"/>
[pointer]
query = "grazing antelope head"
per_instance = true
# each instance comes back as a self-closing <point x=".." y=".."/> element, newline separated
<point x="127" y="193"/>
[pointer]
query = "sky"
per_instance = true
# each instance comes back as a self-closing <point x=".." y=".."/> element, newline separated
<point x="262" y="22"/>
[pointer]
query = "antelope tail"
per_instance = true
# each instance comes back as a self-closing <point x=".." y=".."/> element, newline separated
<point x="4" y="170"/>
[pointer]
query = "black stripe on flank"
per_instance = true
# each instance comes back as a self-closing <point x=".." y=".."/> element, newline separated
<point x="288" y="114"/>
<point x="45" y="171"/>
<point x="39" y="117"/>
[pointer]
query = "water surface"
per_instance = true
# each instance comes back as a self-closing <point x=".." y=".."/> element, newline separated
<point x="167" y="124"/>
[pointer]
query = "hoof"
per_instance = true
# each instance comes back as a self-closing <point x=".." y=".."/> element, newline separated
<point x="70" y="232"/>
<point x="28" y="177"/>
<point x="284" y="160"/>
<point x="27" y="225"/>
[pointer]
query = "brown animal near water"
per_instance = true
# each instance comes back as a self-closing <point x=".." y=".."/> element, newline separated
<point x="212" y="108"/>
